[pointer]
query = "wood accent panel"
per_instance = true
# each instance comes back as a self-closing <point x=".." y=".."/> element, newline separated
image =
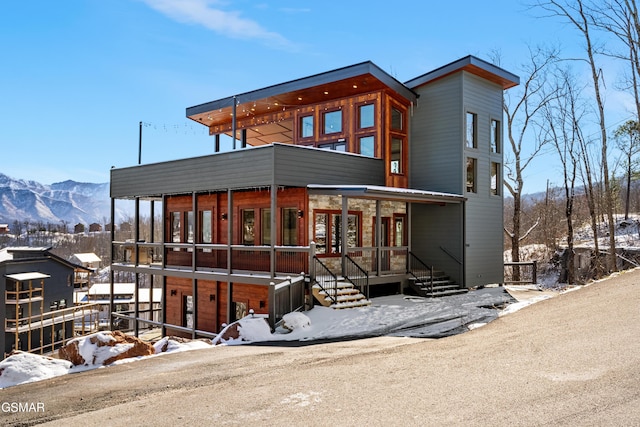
<point x="393" y="179"/>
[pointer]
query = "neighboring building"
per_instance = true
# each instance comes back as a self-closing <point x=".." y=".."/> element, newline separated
<point x="94" y="227"/>
<point x="4" y="228"/>
<point x="352" y="177"/>
<point x="78" y="228"/>
<point x="124" y="294"/>
<point x="37" y="299"/>
<point x="90" y="263"/>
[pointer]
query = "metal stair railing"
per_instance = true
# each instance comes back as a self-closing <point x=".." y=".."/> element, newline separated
<point x="328" y="281"/>
<point x="421" y="271"/>
<point x="356" y="275"/>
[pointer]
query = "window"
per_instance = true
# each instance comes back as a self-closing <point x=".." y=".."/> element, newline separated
<point x="205" y="227"/>
<point x="340" y="145"/>
<point x="289" y="227"/>
<point x="471" y="175"/>
<point x="187" y="308"/>
<point x="397" y="122"/>
<point x="306" y="127"/>
<point x="495" y="136"/>
<point x="333" y="122"/>
<point x="328" y="232"/>
<point x="175" y="227"/>
<point x="471" y="131"/>
<point x="189" y="226"/>
<point x="396" y="156"/>
<point x="367" y="146"/>
<point x="248" y="227"/>
<point x="495" y="178"/>
<point x="265" y="226"/>
<point x="366" y="114"/>
<point x="399" y="238"/>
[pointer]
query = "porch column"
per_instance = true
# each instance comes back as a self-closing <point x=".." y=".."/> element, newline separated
<point x="273" y="234"/>
<point x="229" y="252"/>
<point x="343" y="232"/>
<point x="163" y="240"/>
<point x="111" y="273"/>
<point x="194" y="281"/>
<point x="378" y="232"/>
<point x="136" y="287"/>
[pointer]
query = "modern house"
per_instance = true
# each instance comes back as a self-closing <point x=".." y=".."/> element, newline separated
<point x="37" y="309"/>
<point x="341" y="186"/>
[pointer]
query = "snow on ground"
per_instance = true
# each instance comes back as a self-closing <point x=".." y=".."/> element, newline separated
<point x="397" y="315"/>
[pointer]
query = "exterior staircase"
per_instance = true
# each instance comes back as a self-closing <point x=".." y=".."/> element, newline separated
<point x="440" y="285"/>
<point x="339" y="294"/>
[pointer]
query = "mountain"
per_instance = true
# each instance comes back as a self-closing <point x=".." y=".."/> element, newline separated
<point x="68" y="201"/>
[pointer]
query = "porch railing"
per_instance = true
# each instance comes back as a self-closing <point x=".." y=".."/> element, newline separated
<point x="420" y="271"/>
<point x="324" y="278"/>
<point x="357" y="275"/>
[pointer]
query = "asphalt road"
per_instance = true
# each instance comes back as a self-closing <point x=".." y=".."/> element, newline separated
<point x="570" y="360"/>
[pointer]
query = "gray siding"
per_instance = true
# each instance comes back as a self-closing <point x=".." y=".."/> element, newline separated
<point x="248" y="168"/>
<point x="436" y="137"/>
<point x="484" y="212"/>
<point x="434" y="229"/>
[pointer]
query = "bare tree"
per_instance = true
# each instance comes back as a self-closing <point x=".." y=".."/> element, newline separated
<point x="581" y="17"/>
<point x="521" y="110"/>
<point x="628" y="138"/>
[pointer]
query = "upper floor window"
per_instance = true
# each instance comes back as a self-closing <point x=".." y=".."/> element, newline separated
<point x="340" y="145"/>
<point x="190" y="227"/>
<point x="471" y="126"/>
<point x="471" y="175"/>
<point x="248" y="227"/>
<point x="397" y="119"/>
<point x="495" y="136"/>
<point x="495" y="178"/>
<point x="396" y="156"/>
<point x="206" y="235"/>
<point x="366" y="114"/>
<point x="367" y="145"/>
<point x="289" y="226"/>
<point x="306" y="127"/>
<point x="332" y="121"/>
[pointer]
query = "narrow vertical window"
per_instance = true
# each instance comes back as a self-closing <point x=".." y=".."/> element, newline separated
<point x="306" y="127"/>
<point x="365" y="116"/>
<point x="396" y="156"/>
<point x="320" y="232"/>
<point x="175" y="227"/>
<point x="332" y="122"/>
<point x="495" y="136"/>
<point x="248" y="227"/>
<point x="265" y="226"/>
<point x="471" y="131"/>
<point x="289" y="227"/>
<point x="205" y="227"/>
<point x="398" y="230"/>
<point x="471" y="175"/>
<point x="190" y="226"/>
<point x="495" y="178"/>
<point x="397" y="119"/>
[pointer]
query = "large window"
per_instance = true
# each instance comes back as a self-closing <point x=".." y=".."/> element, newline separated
<point x="495" y="178"/>
<point x="396" y="156"/>
<point x="332" y="122"/>
<point x="495" y="136"/>
<point x="367" y="145"/>
<point x="471" y="175"/>
<point x="328" y="233"/>
<point x="366" y="114"/>
<point x="471" y="126"/>
<point x="306" y="127"/>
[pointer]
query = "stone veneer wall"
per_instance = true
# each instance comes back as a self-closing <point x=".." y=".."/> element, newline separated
<point x="368" y="208"/>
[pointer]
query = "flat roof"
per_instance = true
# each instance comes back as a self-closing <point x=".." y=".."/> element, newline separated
<point x="386" y="193"/>
<point x="473" y="65"/>
<point x="23" y="277"/>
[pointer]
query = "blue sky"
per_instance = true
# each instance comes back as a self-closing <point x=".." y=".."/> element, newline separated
<point x="78" y="76"/>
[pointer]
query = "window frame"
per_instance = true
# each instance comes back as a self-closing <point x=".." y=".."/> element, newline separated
<point x="324" y="121"/>
<point x="495" y="190"/>
<point x="301" y="119"/>
<point x="359" y="107"/>
<point x="474" y="130"/>
<point x="495" y="142"/>
<point x="328" y="239"/>
<point x="474" y="177"/>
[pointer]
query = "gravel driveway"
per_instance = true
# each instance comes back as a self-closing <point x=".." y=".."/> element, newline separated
<point x="570" y="360"/>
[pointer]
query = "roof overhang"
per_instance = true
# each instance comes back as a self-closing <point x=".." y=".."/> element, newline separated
<point x="23" y="277"/>
<point x="343" y="82"/>
<point x="385" y="193"/>
<point x="472" y="65"/>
